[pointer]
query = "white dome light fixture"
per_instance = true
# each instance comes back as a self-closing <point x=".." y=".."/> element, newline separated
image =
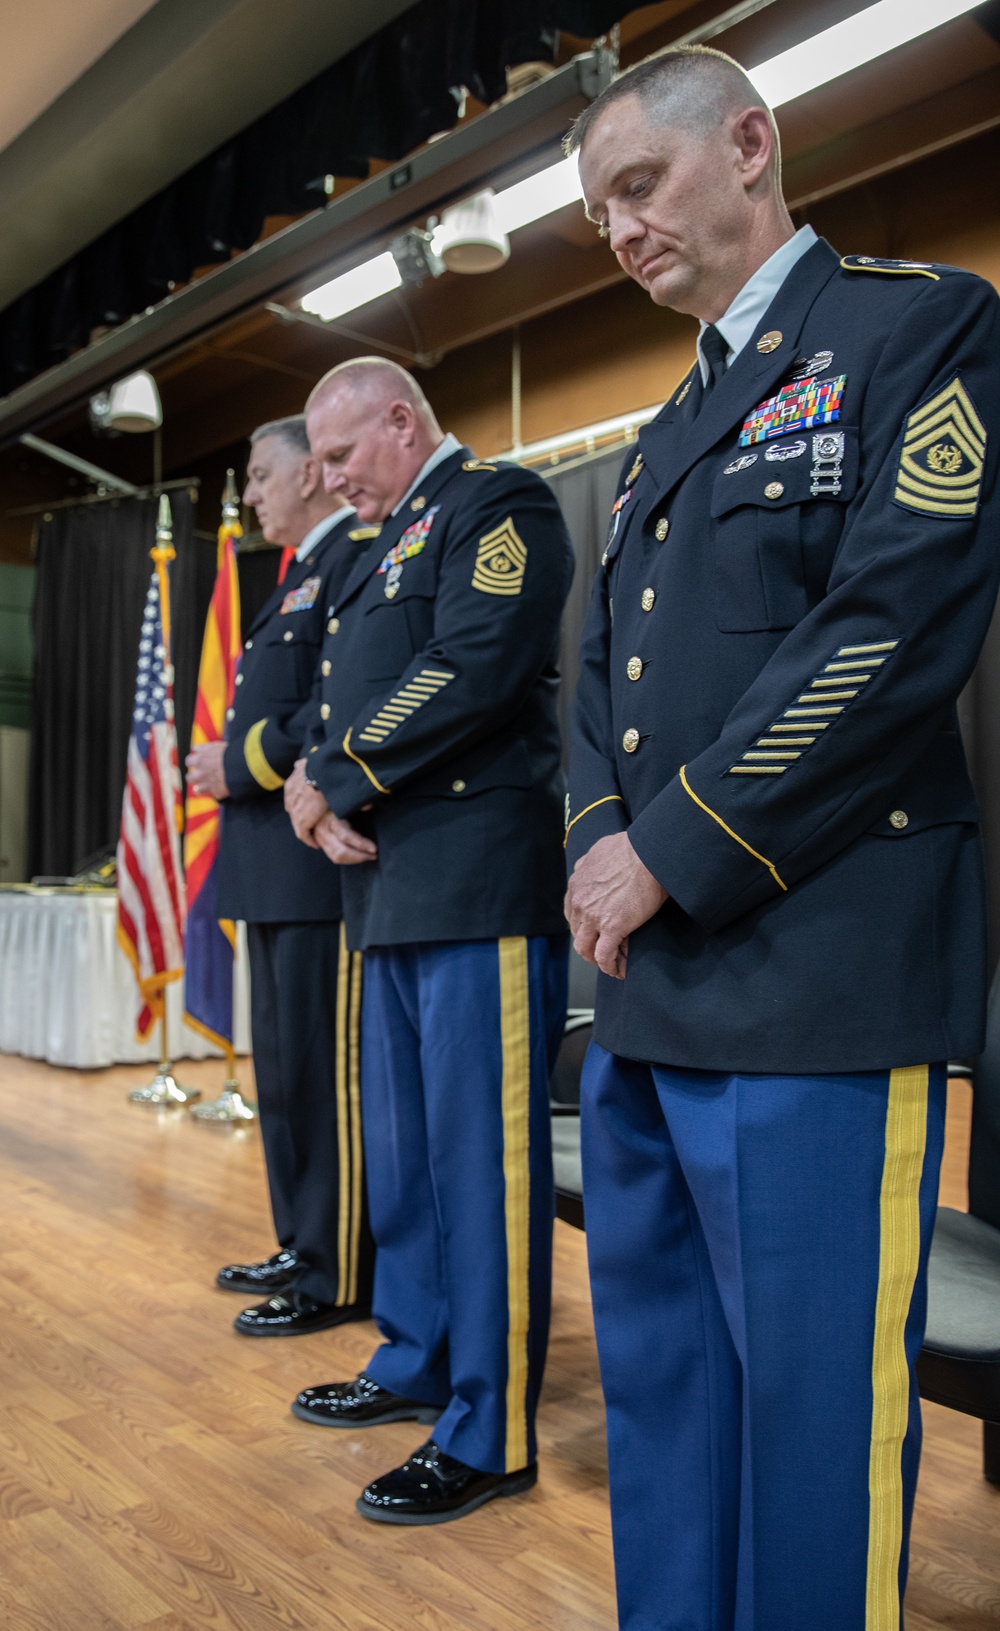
<point x="470" y="238"/>
<point x="132" y="404"/>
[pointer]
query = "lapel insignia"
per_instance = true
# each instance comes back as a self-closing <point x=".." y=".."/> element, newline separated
<point x="500" y="561"/>
<point x="796" y="407"/>
<point x="770" y="341"/>
<point x="683" y="394"/>
<point x="360" y="534"/>
<point x="479" y="464"/>
<point x="410" y="543"/>
<point x="300" y="599"/>
<point x="418" y="502"/>
<point x="810" y="367"/>
<point x="633" y="474"/>
<point x="785" y="450"/>
<point x="941" y="461"/>
<point x="742" y="463"/>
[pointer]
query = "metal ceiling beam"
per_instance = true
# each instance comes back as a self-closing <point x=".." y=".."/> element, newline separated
<point x="514" y="138"/>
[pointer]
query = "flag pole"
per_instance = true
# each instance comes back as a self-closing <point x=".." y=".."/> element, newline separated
<point x="164" y="1088"/>
<point x="230" y="1106"/>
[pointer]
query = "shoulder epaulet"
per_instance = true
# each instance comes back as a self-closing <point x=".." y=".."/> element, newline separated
<point x="874" y="263"/>
<point x="479" y="464"/>
<point x="361" y="533"/>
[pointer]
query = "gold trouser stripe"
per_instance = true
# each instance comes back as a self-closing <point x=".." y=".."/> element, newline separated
<point x="741" y="841"/>
<point x="899" y="1252"/>
<point x="257" y="763"/>
<point x="514" y="1035"/>
<point x="354" y="1100"/>
<point x="609" y="798"/>
<point x="343" y="1145"/>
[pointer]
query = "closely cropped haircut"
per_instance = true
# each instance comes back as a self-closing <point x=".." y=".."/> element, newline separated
<point x="291" y="431"/>
<point x="377" y="378"/>
<point x="687" y="85"/>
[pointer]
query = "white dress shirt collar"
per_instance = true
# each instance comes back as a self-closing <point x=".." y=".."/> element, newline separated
<point x="738" y="322"/>
<point x="444" y="450"/>
<point x="321" y="529"/>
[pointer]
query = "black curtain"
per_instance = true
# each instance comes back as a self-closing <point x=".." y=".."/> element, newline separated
<point x="379" y="102"/>
<point x="90" y="589"/>
<point x="586" y="495"/>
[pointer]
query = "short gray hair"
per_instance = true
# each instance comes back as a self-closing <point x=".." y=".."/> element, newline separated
<point x="690" y="85"/>
<point x="291" y="431"/>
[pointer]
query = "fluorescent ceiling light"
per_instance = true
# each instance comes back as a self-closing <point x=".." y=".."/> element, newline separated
<point x="539" y="195"/>
<point x="352" y="289"/>
<point x="858" y="39"/>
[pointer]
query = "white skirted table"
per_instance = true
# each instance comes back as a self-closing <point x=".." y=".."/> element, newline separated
<point x="68" y="994"/>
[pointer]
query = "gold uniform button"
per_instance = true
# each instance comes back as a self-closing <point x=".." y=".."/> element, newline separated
<point x="324" y="712"/>
<point x="333" y="625"/>
<point x="630" y="741"/>
<point x="774" y="489"/>
<point x="633" y="667"/>
<point x="417" y="503"/>
<point x="899" y="819"/>
<point x="770" y="341"/>
<point x="648" y="597"/>
<point x="289" y="635"/>
<point x="239" y="679"/>
<point x="458" y="787"/>
<point x="327" y="666"/>
<point x="662" y="528"/>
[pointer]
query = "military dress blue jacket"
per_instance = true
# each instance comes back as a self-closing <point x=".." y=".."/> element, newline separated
<point x="798" y="580"/>
<point x="265" y="874"/>
<point x="439" y="693"/>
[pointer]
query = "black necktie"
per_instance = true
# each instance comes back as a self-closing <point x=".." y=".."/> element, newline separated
<point x="715" y="350"/>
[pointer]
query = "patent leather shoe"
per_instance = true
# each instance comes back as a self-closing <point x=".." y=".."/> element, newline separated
<point x="361" y="1403"/>
<point x="275" y="1274"/>
<point x="432" y="1487"/>
<point x="293" y="1314"/>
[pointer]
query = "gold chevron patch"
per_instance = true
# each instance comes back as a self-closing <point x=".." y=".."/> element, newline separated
<point x="500" y="561"/>
<point x="941" y="464"/>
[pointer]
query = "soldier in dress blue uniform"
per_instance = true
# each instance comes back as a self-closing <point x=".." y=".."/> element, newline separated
<point x="305" y="986"/>
<point x="435" y="783"/>
<point x="777" y="869"/>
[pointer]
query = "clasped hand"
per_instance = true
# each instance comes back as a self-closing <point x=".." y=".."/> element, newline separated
<point x="316" y="825"/>
<point x="610" y="895"/>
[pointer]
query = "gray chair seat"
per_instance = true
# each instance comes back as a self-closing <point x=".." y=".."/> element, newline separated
<point x="960" y="1363"/>
<point x="566" y="1167"/>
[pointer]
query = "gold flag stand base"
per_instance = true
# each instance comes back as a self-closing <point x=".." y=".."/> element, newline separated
<point x="164" y="1088"/>
<point x="229" y="1106"/>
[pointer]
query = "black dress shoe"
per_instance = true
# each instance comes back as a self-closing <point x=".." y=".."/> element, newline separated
<point x="295" y="1315"/>
<point x="278" y="1272"/>
<point x="361" y="1403"/>
<point x="434" y="1488"/>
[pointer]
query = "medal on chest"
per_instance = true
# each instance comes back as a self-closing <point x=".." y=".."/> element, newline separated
<point x="411" y="543"/>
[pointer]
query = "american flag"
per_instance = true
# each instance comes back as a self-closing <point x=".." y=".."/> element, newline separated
<point x="151" y="907"/>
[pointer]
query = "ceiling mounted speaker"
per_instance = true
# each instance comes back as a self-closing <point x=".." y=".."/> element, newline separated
<point x="469" y="237"/>
<point x="132" y="404"/>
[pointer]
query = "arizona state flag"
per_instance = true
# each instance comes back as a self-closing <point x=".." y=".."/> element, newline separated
<point x="211" y="942"/>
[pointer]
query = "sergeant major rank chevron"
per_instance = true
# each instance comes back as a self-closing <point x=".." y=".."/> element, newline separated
<point x="941" y="461"/>
<point x="500" y="561"/>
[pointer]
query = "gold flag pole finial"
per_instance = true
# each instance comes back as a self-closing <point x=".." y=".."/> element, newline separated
<point x="230" y="498"/>
<point x="164" y="521"/>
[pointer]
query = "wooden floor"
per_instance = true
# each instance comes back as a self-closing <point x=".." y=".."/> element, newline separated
<point x="151" y="1475"/>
